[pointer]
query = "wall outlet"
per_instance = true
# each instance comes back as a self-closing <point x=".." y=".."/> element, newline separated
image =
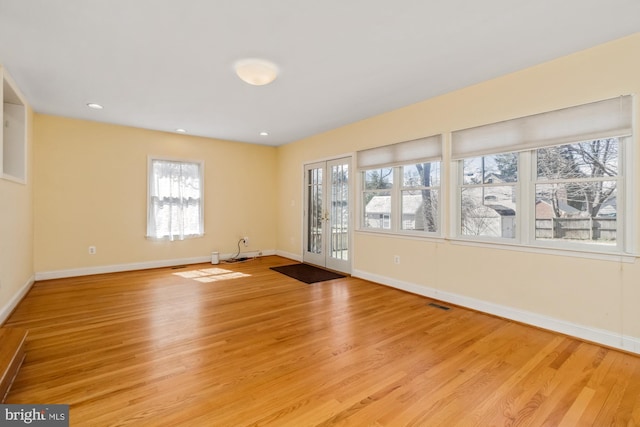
<point x="92" y="250"/>
<point x="396" y="259"/>
<point x="245" y="240"/>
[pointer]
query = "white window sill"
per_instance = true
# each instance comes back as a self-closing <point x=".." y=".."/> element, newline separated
<point x="430" y="237"/>
<point x="589" y="254"/>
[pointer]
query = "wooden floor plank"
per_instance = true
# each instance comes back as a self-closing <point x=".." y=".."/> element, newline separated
<point x="239" y="345"/>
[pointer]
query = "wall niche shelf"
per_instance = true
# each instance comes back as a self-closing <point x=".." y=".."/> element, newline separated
<point x="13" y="141"/>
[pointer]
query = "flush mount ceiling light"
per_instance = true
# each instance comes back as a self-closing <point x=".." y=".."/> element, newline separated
<point x="95" y="106"/>
<point x="257" y="72"/>
<point x="264" y="133"/>
<point x="180" y="130"/>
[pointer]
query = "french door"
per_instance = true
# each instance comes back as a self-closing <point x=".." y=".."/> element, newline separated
<point x="327" y="218"/>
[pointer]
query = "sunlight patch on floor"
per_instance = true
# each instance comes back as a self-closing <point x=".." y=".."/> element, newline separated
<point x="207" y="275"/>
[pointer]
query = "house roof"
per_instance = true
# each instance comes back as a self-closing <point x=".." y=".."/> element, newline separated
<point x="379" y="204"/>
<point x="563" y="206"/>
<point x="167" y="65"/>
<point x="382" y="204"/>
<point x="502" y="210"/>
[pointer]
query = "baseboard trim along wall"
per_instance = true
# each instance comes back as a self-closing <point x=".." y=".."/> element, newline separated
<point x="6" y="311"/>
<point x="289" y="255"/>
<point x="599" y="336"/>
<point x="61" y="274"/>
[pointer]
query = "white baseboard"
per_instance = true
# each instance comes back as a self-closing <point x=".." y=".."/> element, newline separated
<point x="6" y="311"/>
<point x="61" y="274"/>
<point x="600" y="336"/>
<point x="289" y="255"/>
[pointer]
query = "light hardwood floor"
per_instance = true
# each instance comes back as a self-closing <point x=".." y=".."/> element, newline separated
<point x="239" y="344"/>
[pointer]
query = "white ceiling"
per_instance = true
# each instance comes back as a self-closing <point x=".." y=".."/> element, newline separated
<point x="167" y="64"/>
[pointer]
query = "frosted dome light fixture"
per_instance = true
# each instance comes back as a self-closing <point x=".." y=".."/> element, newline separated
<point x="257" y="72"/>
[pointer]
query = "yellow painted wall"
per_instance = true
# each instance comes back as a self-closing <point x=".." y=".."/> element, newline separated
<point x="16" y="232"/>
<point x="597" y="294"/>
<point x="91" y="189"/>
<point x="87" y="186"/>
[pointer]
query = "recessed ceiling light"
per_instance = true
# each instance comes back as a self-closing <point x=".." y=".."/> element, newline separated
<point x="255" y="71"/>
<point x="95" y="106"/>
<point x="180" y="130"/>
<point x="264" y="133"/>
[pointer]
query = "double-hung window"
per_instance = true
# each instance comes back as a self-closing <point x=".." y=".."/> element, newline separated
<point x="400" y="187"/>
<point x="555" y="179"/>
<point x="576" y="192"/>
<point x="175" y="200"/>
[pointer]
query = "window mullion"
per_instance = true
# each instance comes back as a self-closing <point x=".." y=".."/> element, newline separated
<point x="455" y="177"/>
<point x="525" y="198"/>
<point x="396" y="196"/>
<point x="575" y="180"/>
<point x="627" y="201"/>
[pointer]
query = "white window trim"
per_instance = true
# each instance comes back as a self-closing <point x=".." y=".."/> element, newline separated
<point x="421" y="150"/>
<point x="622" y="246"/>
<point x="624" y="250"/>
<point x="622" y="126"/>
<point x="396" y="205"/>
<point x="455" y="231"/>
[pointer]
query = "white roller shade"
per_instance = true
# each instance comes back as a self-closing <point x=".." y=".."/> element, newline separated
<point x="603" y="119"/>
<point x="421" y="150"/>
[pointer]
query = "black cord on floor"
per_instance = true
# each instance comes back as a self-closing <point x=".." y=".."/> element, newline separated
<point x="236" y="258"/>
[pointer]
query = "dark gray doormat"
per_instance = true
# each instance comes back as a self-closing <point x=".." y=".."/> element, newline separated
<point x="307" y="273"/>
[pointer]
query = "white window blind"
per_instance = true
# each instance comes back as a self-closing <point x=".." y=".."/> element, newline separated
<point x="421" y="150"/>
<point x="602" y="119"/>
<point x="175" y="205"/>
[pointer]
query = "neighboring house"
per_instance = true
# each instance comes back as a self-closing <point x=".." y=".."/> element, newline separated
<point x="609" y="208"/>
<point x="378" y="212"/>
<point x="544" y="210"/>
<point x="496" y="216"/>
<point x="492" y="178"/>
<point x="490" y="220"/>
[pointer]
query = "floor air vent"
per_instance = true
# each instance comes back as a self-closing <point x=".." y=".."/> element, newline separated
<point x="441" y="307"/>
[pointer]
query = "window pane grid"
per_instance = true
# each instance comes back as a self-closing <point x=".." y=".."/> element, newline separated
<point x="408" y="202"/>
<point x="175" y="200"/>
<point x="576" y="193"/>
<point x="340" y="212"/>
<point x="315" y="216"/>
<point x="572" y="196"/>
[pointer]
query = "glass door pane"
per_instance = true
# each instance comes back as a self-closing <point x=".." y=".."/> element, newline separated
<point x="327" y="217"/>
<point x="339" y="218"/>
<point x="338" y="233"/>
<point x="315" y="226"/>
